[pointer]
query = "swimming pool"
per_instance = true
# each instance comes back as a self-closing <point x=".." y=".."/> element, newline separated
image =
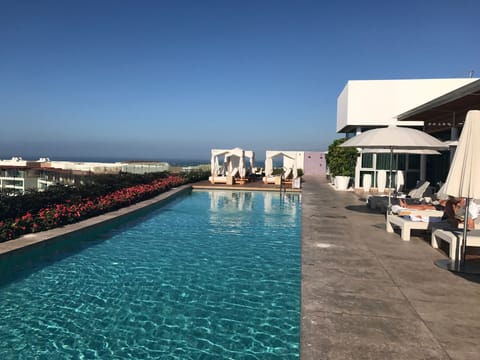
<point x="212" y="275"/>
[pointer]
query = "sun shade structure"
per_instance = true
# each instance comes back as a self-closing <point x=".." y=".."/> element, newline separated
<point x="291" y="163"/>
<point x="233" y="164"/>
<point x="401" y="151"/>
<point x="395" y="139"/>
<point x="463" y="178"/>
<point x="448" y="110"/>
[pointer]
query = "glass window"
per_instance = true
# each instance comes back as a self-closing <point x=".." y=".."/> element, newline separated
<point x="383" y="161"/>
<point x="367" y="161"/>
<point x="402" y="161"/>
<point x="414" y="162"/>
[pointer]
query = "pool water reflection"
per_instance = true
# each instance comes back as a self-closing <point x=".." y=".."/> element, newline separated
<point x="214" y="275"/>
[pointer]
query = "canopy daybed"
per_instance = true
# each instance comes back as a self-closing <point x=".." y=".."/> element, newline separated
<point x="290" y="166"/>
<point x="233" y="167"/>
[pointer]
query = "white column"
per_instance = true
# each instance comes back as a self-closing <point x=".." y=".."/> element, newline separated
<point x="357" y="172"/>
<point x="358" y="131"/>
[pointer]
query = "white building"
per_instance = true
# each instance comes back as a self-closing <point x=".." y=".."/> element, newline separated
<point x="367" y="104"/>
<point x="18" y="175"/>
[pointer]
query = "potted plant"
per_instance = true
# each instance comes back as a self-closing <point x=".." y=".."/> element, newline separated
<point x="341" y="161"/>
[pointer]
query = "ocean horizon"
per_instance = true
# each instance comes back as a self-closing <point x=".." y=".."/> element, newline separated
<point x="113" y="159"/>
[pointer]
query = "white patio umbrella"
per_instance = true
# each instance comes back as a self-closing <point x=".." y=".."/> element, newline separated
<point x="463" y="179"/>
<point x="451" y="143"/>
<point x="395" y="138"/>
<point x="401" y="151"/>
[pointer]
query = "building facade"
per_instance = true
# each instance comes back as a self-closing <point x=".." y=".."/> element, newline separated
<point x="18" y="175"/>
<point x="368" y="104"/>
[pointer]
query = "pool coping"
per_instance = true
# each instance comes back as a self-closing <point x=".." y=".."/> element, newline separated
<point x="248" y="186"/>
<point x="38" y="239"/>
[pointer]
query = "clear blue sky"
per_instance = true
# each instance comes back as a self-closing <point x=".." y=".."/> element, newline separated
<point x="174" y="79"/>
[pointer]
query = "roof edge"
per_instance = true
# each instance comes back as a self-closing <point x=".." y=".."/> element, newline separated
<point x="441" y="100"/>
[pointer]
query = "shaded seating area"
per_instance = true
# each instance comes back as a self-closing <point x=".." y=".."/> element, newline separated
<point x="442" y="231"/>
<point x="229" y="166"/>
<point x="289" y="175"/>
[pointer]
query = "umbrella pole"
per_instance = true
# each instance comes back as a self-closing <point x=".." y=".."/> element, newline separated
<point x="396" y="175"/>
<point x="459" y="265"/>
<point x="389" y="211"/>
<point x="463" y="247"/>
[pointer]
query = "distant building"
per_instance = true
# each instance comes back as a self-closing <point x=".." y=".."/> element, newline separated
<point x="18" y="175"/>
<point x="139" y="167"/>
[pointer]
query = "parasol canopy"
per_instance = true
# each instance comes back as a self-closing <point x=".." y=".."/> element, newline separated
<point x="395" y="139"/>
<point x="463" y="178"/>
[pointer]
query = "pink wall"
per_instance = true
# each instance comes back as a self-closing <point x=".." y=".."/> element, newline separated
<point x="315" y="163"/>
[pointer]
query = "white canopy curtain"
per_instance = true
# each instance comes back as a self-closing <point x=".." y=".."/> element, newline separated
<point x="234" y="161"/>
<point x="251" y="156"/>
<point x="214" y="160"/>
<point x="289" y="161"/>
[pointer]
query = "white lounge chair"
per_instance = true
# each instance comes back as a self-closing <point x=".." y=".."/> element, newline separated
<point x="380" y="202"/>
<point x="415" y="220"/>
<point x="452" y="237"/>
<point x="419" y="190"/>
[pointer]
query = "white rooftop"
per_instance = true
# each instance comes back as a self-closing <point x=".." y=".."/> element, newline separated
<point x="372" y="103"/>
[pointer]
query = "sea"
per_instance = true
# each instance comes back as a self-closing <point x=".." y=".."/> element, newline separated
<point x="259" y="162"/>
<point x="105" y="159"/>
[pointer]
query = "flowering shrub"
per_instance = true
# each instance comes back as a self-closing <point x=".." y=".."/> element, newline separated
<point x="70" y="212"/>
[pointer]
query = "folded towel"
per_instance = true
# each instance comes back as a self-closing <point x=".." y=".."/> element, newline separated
<point x="424" y="218"/>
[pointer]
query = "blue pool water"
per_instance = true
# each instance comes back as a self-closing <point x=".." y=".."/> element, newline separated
<point x="211" y="275"/>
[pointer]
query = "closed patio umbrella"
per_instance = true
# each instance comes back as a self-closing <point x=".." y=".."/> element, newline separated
<point x="394" y="139"/>
<point x="463" y="180"/>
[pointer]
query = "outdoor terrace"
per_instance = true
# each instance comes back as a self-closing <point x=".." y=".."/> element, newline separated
<point x="366" y="294"/>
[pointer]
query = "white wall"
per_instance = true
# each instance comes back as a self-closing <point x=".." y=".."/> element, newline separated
<point x="377" y="102"/>
<point x="88" y="166"/>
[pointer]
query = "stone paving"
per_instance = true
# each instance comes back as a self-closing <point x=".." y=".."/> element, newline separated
<point x="366" y="294"/>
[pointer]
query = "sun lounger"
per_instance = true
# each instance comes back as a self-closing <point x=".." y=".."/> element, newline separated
<point x="414" y="220"/>
<point x="218" y="179"/>
<point x="380" y="202"/>
<point x="419" y="190"/>
<point x="277" y="180"/>
<point x="452" y="237"/>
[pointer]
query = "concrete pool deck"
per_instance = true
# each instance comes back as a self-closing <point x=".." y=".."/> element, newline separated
<point x="366" y="294"/>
